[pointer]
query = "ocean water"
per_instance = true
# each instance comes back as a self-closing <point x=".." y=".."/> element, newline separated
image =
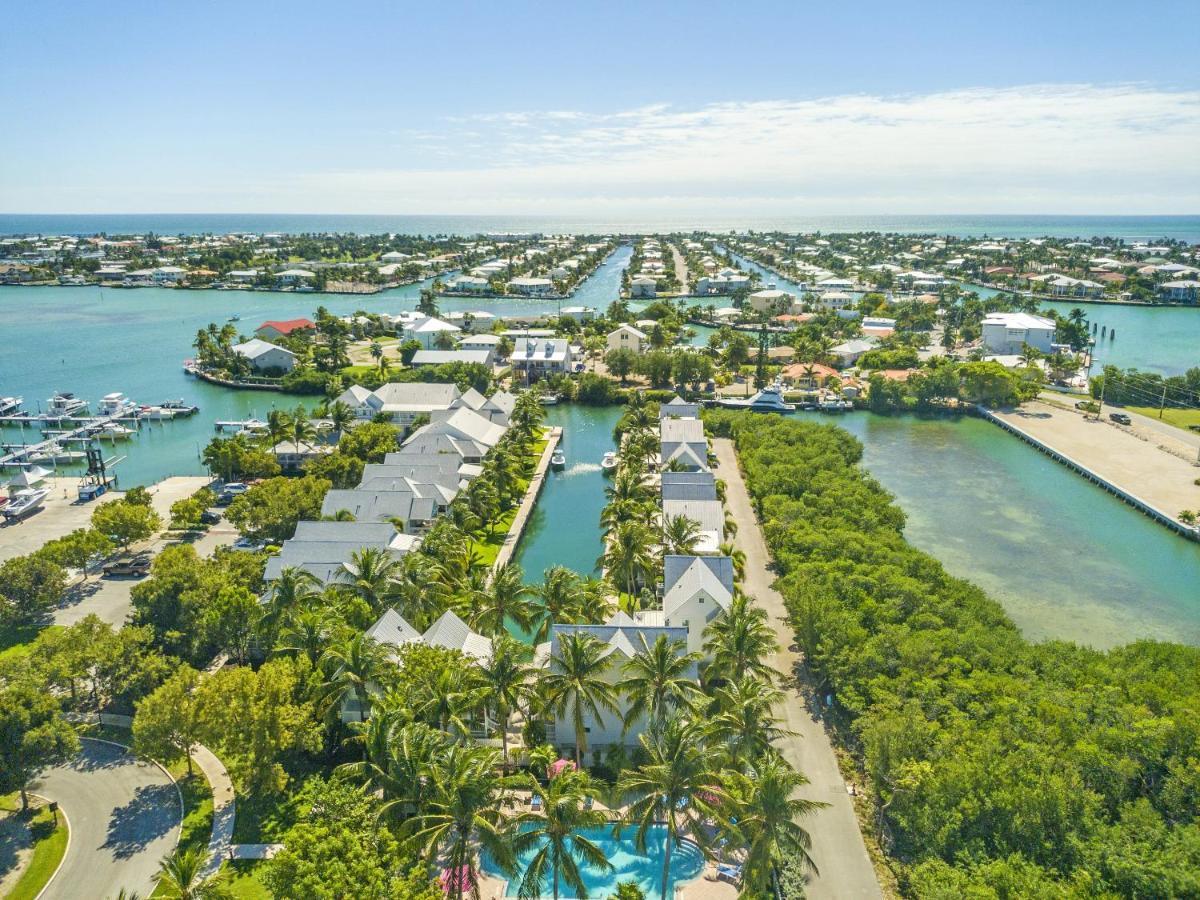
<point x="1185" y="228"/>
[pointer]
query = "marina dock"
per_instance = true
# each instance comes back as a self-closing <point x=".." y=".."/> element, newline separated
<point x="1152" y="480"/>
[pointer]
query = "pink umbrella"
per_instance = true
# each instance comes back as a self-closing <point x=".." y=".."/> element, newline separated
<point x="559" y="766"/>
<point x="461" y="879"/>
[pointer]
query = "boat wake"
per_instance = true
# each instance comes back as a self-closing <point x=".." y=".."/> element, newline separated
<point x="582" y="469"/>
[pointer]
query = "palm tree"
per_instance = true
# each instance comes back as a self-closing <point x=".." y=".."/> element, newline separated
<point x="658" y="679"/>
<point x="740" y="642"/>
<point x="672" y="789"/>
<point x="763" y="814"/>
<point x="300" y="427"/>
<point x="627" y="557"/>
<point x="307" y="633"/>
<point x="341" y="416"/>
<point x="578" y="683"/>
<point x="293" y="590"/>
<point x="397" y="760"/>
<point x="681" y="534"/>
<point x="745" y="724"/>
<point x="737" y="557"/>
<point x="508" y="601"/>
<point x="449" y="699"/>
<point x="465" y="812"/>
<point x="507" y="680"/>
<point x="371" y="575"/>
<point x="376" y="349"/>
<point x="350" y="669"/>
<point x="181" y="876"/>
<point x="278" y="426"/>
<point x="562" y="601"/>
<point x="557" y="830"/>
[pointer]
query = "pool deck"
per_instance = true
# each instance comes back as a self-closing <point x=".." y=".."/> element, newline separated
<point x="1150" y="472"/>
<point x="701" y="888"/>
<point x="521" y="519"/>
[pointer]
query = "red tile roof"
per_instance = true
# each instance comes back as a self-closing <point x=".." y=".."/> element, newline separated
<point x="288" y="326"/>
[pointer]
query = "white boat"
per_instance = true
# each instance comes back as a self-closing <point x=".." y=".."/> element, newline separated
<point x="609" y="462"/>
<point x="65" y="404"/>
<point x="180" y="407"/>
<point x="10" y="405"/>
<point x="59" y="457"/>
<point x="835" y="405"/>
<point x="769" y="399"/>
<point x="549" y="399"/>
<point x="558" y="459"/>
<point x="24" y="502"/>
<point x="114" y="431"/>
<point x="117" y="404"/>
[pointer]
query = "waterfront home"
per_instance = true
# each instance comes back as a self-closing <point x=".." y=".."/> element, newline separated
<point x="643" y="286"/>
<point x="1007" y="333"/>
<point x="293" y="456"/>
<point x="428" y="331"/>
<point x="168" y="275"/>
<point x="265" y="356"/>
<point x="696" y="590"/>
<point x="772" y="301"/>
<point x="626" y="337"/>
<point x="682" y="444"/>
<point x="461" y="424"/>
<point x="474" y="321"/>
<point x="531" y="287"/>
<point x="848" y="352"/>
<point x="688" y="486"/>
<point x="446" y="461"/>
<point x="835" y="300"/>
<point x="469" y="284"/>
<point x="273" y="330"/>
<point x="293" y="277"/>
<point x="807" y="376"/>
<point x="622" y="637"/>
<point x="488" y="343"/>
<point x="1180" y="291"/>
<point x="241" y="276"/>
<point x="709" y="516"/>
<point x="498" y="407"/>
<point x="536" y="358"/>
<point x="578" y="314"/>
<point x="721" y="284"/>
<point x="445" y="357"/>
<point x="400" y="402"/>
<point x="401" y="509"/>
<point x="918" y="282"/>
<point x="678" y="408"/>
<point x="424" y="478"/>
<point x="323" y="548"/>
<point x="1065" y="286"/>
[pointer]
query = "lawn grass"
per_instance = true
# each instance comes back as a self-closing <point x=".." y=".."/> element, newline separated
<point x="488" y="546"/>
<point x="1180" y="418"/>
<point x="49" y="846"/>
<point x="244" y="879"/>
<point x="17" y="640"/>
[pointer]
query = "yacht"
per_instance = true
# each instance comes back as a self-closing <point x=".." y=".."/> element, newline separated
<point x="65" y="404"/>
<point x="769" y="399"/>
<point x="549" y="399"/>
<point x="609" y="463"/>
<point x="181" y="407"/>
<point x="114" y="431"/>
<point x="558" y="459"/>
<point x="10" y="405"/>
<point x="24" y="501"/>
<point x="117" y="404"/>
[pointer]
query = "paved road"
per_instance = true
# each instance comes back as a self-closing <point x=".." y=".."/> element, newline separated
<point x="837" y="844"/>
<point x="681" y="269"/>
<point x="124" y="815"/>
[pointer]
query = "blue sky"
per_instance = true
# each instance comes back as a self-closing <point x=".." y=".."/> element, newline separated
<point x="617" y="107"/>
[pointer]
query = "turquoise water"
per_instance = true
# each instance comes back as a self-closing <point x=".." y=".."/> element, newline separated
<point x="627" y="865"/>
<point x="565" y="526"/>
<point x="1164" y="339"/>
<point x="1186" y="228"/>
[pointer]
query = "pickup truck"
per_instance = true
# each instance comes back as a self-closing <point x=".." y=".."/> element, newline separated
<point x="128" y="565"/>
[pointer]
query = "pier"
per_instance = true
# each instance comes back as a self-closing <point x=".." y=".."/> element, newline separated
<point x="1153" y="481"/>
<point x="525" y="510"/>
<point x="88" y="429"/>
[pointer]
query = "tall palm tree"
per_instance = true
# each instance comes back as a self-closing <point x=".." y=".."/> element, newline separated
<point x="762" y="815"/>
<point x="557" y="830"/>
<point x="181" y="876"/>
<point x="627" y="557"/>
<point x="508" y="682"/>
<point x="449" y="699"/>
<point x="293" y="590"/>
<point x="398" y="758"/>
<point x="300" y="427"/>
<point x="673" y="789"/>
<point x="561" y="598"/>
<point x="376" y="350"/>
<point x="681" y="534"/>
<point x="740" y="642"/>
<point x="738" y="558"/>
<point x="350" y="669"/>
<point x="464" y="812"/>
<point x="279" y="424"/>
<point x="508" y="600"/>
<point x="657" y="680"/>
<point x="341" y="416"/>
<point x="306" y="633"/>
<point x="745" y="724"/>
<point x="371" y="574"/>
<point x="578" y="685"/>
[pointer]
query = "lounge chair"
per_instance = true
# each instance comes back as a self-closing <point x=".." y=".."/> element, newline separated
<point x="731" y="873"/>
<point x="535" y="803"/>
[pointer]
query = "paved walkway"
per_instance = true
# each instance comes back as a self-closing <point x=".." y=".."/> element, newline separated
<point x="124" y="815"/>
<point x="224" y="807"/>
<point x="509" y="547"/>
<point x="681" y="269"/>
<point x="837" y="844"/>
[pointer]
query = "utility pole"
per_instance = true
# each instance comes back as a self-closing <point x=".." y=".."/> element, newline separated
<point x="1162" y="402"/>
<point x="1100" y="407"/>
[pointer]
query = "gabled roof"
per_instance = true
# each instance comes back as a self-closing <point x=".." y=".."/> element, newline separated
<point x="621" y="635"/>
<point x="393" y="630"/>
<point x="690" y="575"/>
<point x="680" y="409"/>
<point x="688" y="486"/>
<point x="451" y="632"/>
<point x="254" y="348"/>
<point x="465" y="424"/>
<point x="287" y="326"/>
<point x="414" y="396"/>
<point x="709" y="514"/>
<point x="379" y="506"/>
<point x="353" y="396"/>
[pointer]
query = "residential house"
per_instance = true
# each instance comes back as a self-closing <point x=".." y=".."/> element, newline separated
<point x="848" y="352"/>
<point x="709" y="516"/>
<point x="688" y="486"/>
<point x="1007" y="333"/>
<point x="643" y="286"/>
<point x="292" y="277"/>
<point x="266" y="357"/>
<point x="696" y="590"/>
<point x="292" y="456"/>
<point x="626" y="337"/>
<point x="1180" y="291"/>
<point x="531" y="287"/>
<point x="429" y="331"/>
<point x="537" y="358"/>
<point x="324" y="548"/>
<point x="274" y="330"/>
<point x="682" y="442"/>
<point x="774" y="302"/>
<point x="678" y="408"/>
<point x="445" y="357"/>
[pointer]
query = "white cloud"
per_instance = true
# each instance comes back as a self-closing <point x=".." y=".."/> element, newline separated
<point x="1039" y="148"/>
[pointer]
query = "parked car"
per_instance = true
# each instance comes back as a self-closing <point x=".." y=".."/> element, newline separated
<point x="137" y="566"/>
<point x="210" y="517"/>
<point x="246" y="543"/>
<point x="1120" y="418"/>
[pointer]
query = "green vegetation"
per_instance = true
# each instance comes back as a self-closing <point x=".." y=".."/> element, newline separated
<point x="1178" y="394"/>
<point x="49" y="846"/>
<point x="996" y="767"/>
<point x="196" y="829"/>
<point x="1180" y="418"/>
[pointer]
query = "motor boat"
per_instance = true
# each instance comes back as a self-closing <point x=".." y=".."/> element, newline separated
<point x="769" y="399"/>
<point x="558" y="459"/>
<point x="10" y="405"/>
<point x="24" y="502"/>
<point x="549" y="399"/>
<point x="180" y="407"/>
<point x="835" y="405"/>
<point x="114" y="431"/>
<point x="117" y="404"/>
<point x="609" y="463"/>
<point x="65" y="404"/>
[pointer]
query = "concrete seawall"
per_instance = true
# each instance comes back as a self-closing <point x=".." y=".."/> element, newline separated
<point x="525" y="510"/>
<point x="1109" y="483"/>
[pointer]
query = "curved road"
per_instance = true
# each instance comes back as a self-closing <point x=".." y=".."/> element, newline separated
<point x="124" y="815"/>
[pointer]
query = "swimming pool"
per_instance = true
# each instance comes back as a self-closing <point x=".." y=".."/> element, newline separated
<point x="627" y="864"/>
